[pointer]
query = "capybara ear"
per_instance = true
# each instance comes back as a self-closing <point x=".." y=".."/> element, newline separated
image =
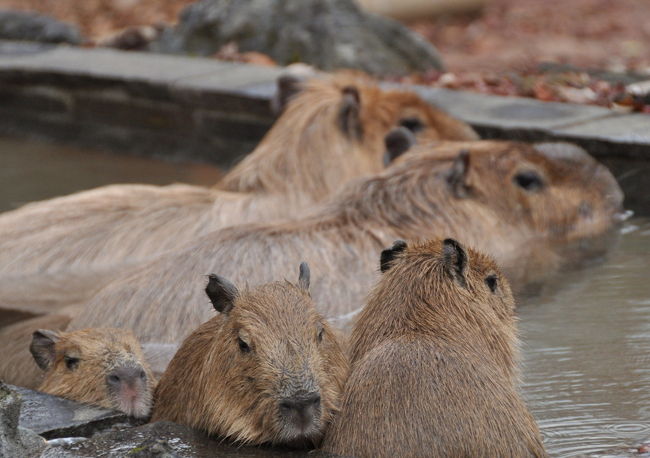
<point x="457" y="176"/>
<point x="304" y="276"/>
<point x="397" y="142"/>
<point x="350" y="113"/>
<point x="455" y="259"/>
<point x="388" y="255"/>
<point x="42" y="347"/>
<point x="222" y="293"/>
<point x="286" y="87"/>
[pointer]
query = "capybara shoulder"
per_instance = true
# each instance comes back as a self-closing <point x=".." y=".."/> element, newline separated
<point x="434" y="362"/>
<point x="266" y="369"/>
<point x="99" y="366"/>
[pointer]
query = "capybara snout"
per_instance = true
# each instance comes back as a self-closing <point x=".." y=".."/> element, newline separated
<point x="125" y="383"/>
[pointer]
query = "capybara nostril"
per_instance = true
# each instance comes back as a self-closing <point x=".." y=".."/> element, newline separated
<point x="125" y="375"/>
<point x="301" y="410"/>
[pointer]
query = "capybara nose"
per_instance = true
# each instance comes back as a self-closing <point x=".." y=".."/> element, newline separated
<point x="301" y="409"/>
<point x="126" y="376"/>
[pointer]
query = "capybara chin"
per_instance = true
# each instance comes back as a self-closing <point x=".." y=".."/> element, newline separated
<point x="266" y="369"/>
<point x="99" y="366"/>
<point x="433" y="358"/>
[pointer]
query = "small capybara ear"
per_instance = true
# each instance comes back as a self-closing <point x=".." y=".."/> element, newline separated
<point x="42" y="347"/>
<point x="350" y="113"/>
<point x="388" y="255"/>
<point x="304" y="276"/>
<point x="222" y="293"/>
<point x="286" y="87"/>
<point x="457" y="176"/>
<point x="455" y="259"/>
<point x="397" y="142"/>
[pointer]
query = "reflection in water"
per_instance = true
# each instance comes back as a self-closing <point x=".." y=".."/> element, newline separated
<point x="586" y="349"/>
<point x="33" y="171"/>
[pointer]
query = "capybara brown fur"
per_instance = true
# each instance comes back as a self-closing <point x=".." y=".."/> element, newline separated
<point x="99" y="366"/>
<point x="331" y="132"/>
<point x="434" y="362"/>
<point x="508" y="199"/>
<point x="267" y="369"/>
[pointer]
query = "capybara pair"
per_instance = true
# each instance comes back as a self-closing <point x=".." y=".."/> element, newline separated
<point x="331" y="132"/>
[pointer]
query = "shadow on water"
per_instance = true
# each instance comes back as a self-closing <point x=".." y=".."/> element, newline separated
<point x="586" y="349"/>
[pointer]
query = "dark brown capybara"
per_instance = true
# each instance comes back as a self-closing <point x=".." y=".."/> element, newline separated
<point x="508" y="199"/>
<point x="100" y="366"/>
<point x="266" y="370"/>
<point x="331" y="132"/>
<point x="434" y="362"/>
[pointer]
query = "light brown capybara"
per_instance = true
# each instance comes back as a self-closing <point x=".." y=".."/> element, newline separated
<point x="266" y="370"/>
<point x="434" y="362"/>
<point x="511" y="200"/>
<point x="99" y="366"/>
<point x="331" y="132"/>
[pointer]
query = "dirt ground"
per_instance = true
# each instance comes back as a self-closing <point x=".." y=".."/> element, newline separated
<point x="498" y="50"/>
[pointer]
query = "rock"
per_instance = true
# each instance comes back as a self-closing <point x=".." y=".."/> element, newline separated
<point x="165" y="440"/>
<point x="53" y="417"/>
<point x="15" y="440"/>
<point x="24" y="26"/>
<point x="328" y="34"/>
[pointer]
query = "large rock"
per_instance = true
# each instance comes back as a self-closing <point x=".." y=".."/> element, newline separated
<point x="328" y="34"/>
<point x="24" y="26"/>
<point x="15" y="440"/>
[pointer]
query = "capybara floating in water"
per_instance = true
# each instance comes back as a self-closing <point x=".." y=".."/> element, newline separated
<point x="99" y="366"/>
<point x="266" y="369"/>
<point x="331" y="132"/>
<point x="434" y="362"/>
<point x="511" y="200"/>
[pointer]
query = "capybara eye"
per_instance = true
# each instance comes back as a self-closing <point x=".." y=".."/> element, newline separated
<point x="412" y="124"/>
<point x="71" y="362"/>
<point x="529" y="180"/>
<point x="492" y="282"/>
<point x="320" y="333"/>
<point x="243" y="346"/>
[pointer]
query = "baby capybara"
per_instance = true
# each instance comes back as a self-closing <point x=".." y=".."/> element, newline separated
<point x="99" y="366"/>
<point x="434" y="357"/>
<point x="266" y="369"/>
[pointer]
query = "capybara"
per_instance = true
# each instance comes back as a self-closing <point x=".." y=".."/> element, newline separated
<point x="511" y="200"/>
<point x="266" y="369"/>
<point x="99" y="366"/>
<point x="434" y="362"/>
<point x="331" y="132"/>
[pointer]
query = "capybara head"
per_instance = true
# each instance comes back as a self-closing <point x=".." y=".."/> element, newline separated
<point x="555" y="189"/>
<point x="339" y="119"/>
<point x="267" y="369"/>
<point x="100" y="366"/>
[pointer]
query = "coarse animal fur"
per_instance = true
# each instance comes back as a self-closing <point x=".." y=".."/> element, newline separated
<point x="266" y="369"/>
<point x="331" y="132"/>
<point x="512" y="200"/>
<point x="101" y="366"/>
<point x="434" y="362"/>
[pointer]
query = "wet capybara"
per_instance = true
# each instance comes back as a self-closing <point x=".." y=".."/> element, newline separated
<point x="100" y="366"/>
<point x="331" y="132"/>
<point x="266" y="369"/>
<point x="434" y="362"/>
<point x="511" y="200"/>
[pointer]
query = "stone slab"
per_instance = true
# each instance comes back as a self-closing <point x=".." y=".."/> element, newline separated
<point x="630" y="128"/>
<point x="52" y="417"/>
<point x="169" y="440"/>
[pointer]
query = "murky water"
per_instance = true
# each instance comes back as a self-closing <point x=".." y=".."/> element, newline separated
<point x="586" y="348"/>
<point x="586" y="337"/>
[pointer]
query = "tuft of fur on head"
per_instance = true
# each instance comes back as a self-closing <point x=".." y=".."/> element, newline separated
<point x="232" y="374"/>
<point x="80" y="365"/>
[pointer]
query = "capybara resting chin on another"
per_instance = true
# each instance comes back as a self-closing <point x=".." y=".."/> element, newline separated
<point x="509" y="199"/>
<point x="266" y="369"/>
<point x="99" y="366"/>
<point x="433" y="358"/>
<point x="331" y="132"/>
